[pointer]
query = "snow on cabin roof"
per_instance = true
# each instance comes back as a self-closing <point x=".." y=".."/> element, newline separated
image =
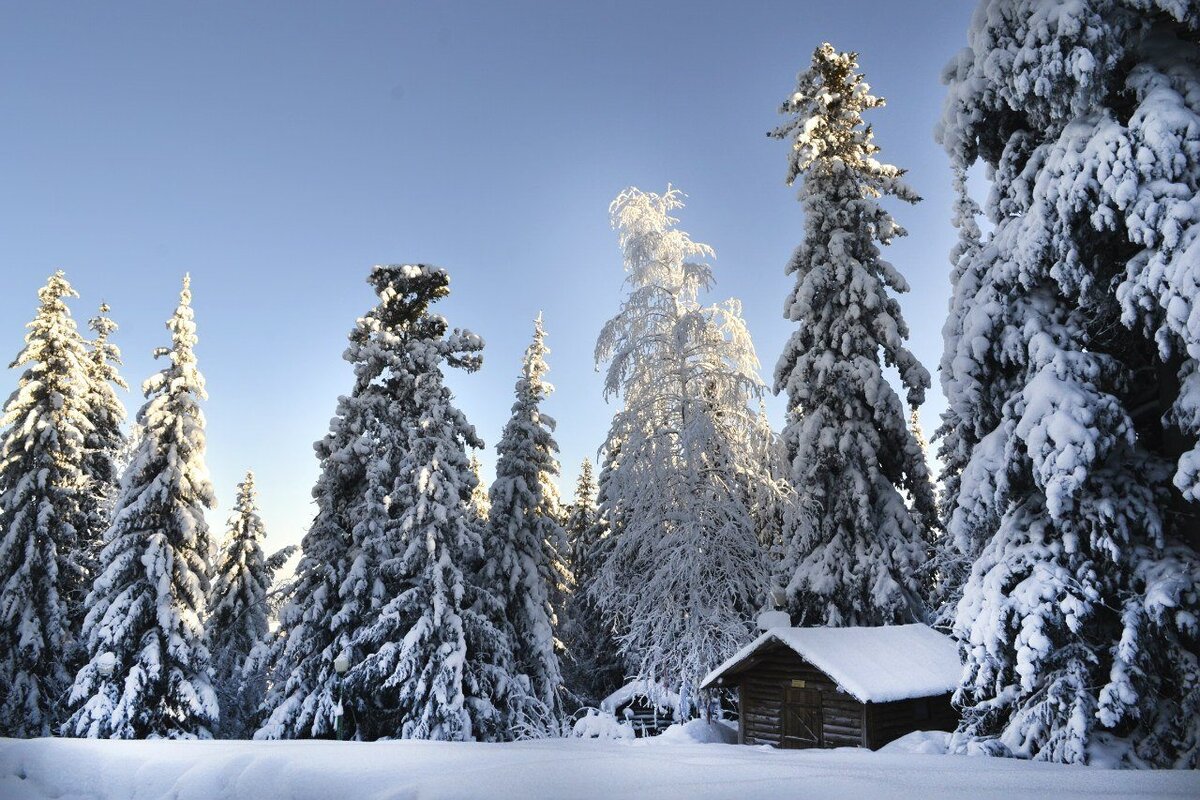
<point x="875" y="665"/>
<point x="657" y="694"/>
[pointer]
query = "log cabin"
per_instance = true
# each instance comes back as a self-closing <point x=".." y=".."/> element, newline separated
<point x="841" y="687"/>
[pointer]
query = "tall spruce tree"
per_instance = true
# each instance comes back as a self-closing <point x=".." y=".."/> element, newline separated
<point x="148" y="669"/>
<point x="238" y="615"/>
<point x="856" y="559"/>
<point x="592" y="667"/>
<point x="102" y="467"/>
<point x="1071" y="373"/>
<point x="337" y="590"/>
<point x="521" y="546"/>
<point x="381" y="579"/>
<point x="956" y="435"/>
<point x="42" y="490"/>
<point x="683" y="570"/>
<point x="436" y="660"/>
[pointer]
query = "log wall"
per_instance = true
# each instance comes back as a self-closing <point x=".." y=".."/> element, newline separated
<point x="763" y="690"/>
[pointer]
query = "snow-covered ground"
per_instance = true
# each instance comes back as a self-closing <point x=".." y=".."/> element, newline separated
<point x="674" y="767"/>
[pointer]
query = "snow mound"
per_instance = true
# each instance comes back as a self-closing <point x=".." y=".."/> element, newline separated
<point x="773" y="619"/>
<point x="699" y="731"/>
<point x="601" y="725"/>
<point x="934" y="743"/>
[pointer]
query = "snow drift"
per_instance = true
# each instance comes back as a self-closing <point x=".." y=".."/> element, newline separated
<point x="559" y="768"/>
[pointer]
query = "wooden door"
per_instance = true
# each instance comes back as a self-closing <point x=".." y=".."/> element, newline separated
<point x="802" y="719"/>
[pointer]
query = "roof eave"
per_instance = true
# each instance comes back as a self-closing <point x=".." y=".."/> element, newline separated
<point x="737" y="662"/>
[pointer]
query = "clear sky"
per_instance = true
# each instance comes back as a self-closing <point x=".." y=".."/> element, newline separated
<point x="276" y="150"/>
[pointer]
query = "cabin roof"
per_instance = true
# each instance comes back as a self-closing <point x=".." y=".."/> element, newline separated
<point x="875" y="665"/>
<point x="656" y="694"/>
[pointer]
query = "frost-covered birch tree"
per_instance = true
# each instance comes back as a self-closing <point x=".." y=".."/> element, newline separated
<point x="1071" y="370"/>
<point x="148" y="669"/>
<point x="523" y="536"/>
<point x="683" y="569"/>
<point x="238" y="615"/>
<point x="42" y="491"/>
<point x="854" y="464"/>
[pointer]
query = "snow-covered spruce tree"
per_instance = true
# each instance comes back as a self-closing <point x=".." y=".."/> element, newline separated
<point x="144" y="625"/>
<point x="856" y="561"/>
<point x="41" y="490"/>
<point x="238" y="613"/>
<point x="683" y="571"/>
<point x="592" y="666"/>
<point x="337" y="591"/>
<point x="523" y="534"/>
<point x="1073" y="371"/>
<point x="105" y="440"/>
<point x="102" y="467"/>
<point x="558" y="555"/>
<point x="481" y="507"/>
<point x="435" y="661"/>
<point x="381" y="578"/>
<point x="936" y="542"/>
<point x="956" y="436"/>
<point x="316" y="622"/>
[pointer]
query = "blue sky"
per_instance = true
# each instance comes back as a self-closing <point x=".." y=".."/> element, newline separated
<point x="277" y="150"/>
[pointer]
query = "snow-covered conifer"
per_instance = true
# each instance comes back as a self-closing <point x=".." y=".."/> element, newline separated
<point x="144" y="625"/>
<point x="683" y="570"/>
<point x="103" y="446"/>
<point x="480" y="505"/>
<point x="592" y="665"/>
<point x="238" y="611"/>
<point x="435" y="661"/>
<point x="337" y="591"/>
<point x="42" y="487"/>
<point x="106" y="411"/>
<point x="1071" y="371"/>
<point x="956" y="435"/>
<point x="523" y="536"/>
<point x="854" y="462"/>
<point x="315" y="626"/>
<point x="381" y="580"/>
